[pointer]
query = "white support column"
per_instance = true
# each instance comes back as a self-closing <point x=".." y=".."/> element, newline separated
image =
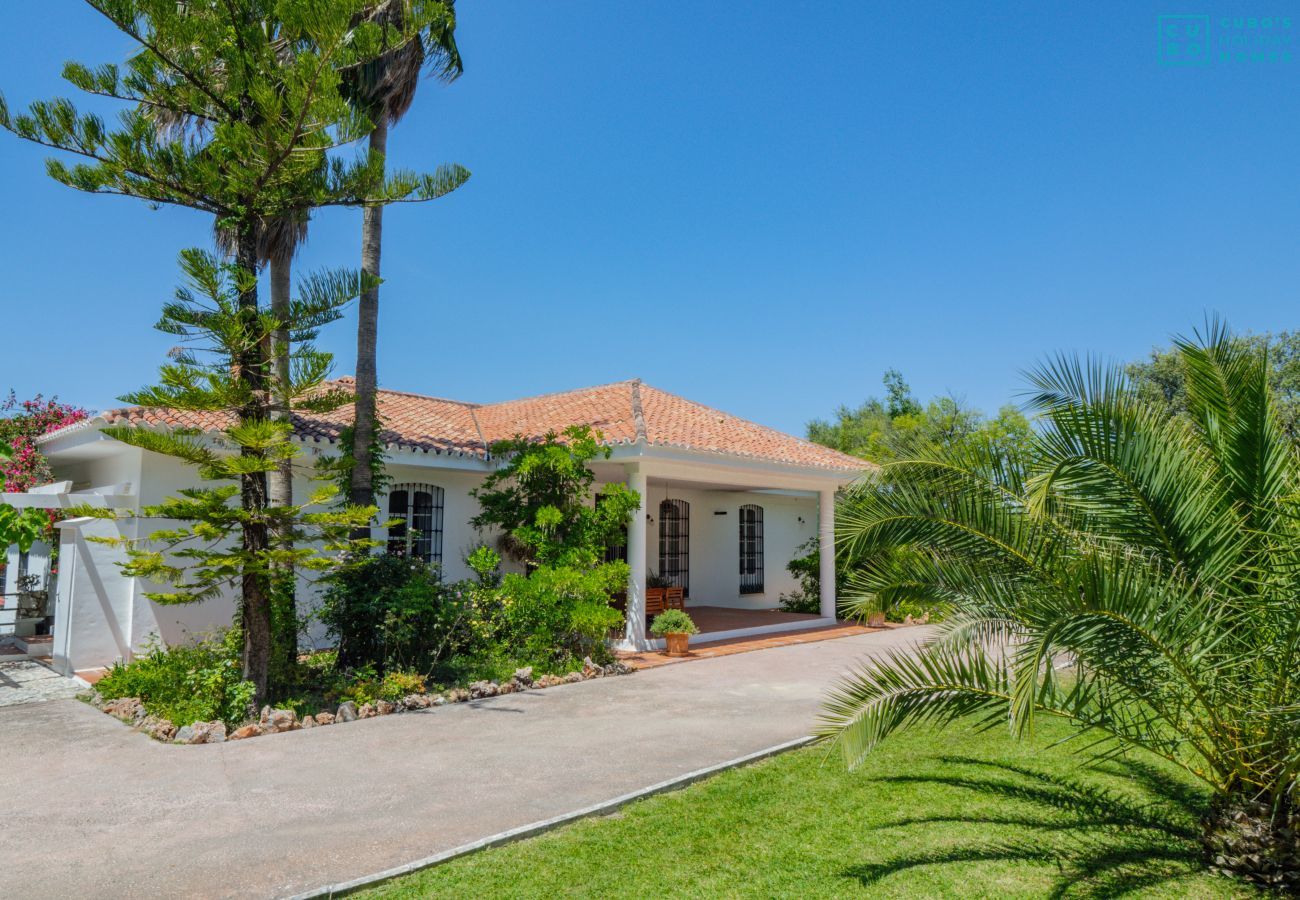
<point x="826" y="549"/>
<point x="636" y="561"/>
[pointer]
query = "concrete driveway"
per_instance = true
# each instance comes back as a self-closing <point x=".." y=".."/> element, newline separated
<point x="91" y="808"/>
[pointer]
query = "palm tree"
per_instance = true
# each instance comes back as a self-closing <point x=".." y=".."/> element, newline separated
<point x="1134" y="574"/>
<point x="383" y="90"/>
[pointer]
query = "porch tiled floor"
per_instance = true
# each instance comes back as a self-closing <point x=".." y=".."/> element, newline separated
<point x="702" y="648"/>
<point x="726" y="618"/>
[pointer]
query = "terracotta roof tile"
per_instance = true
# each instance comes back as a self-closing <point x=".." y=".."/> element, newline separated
<point x="624" y="412"/>
<point x="409" y="421"/>
<point x="607" y="408"/>
<point x="674" y="421"/>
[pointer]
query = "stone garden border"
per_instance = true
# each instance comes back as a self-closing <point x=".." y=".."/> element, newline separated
<point x="132" y="711"/>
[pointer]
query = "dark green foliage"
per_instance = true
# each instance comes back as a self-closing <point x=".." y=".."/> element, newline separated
<point x="199" y="559"/>
<point x="233" y="109"/>
<point x="806" y="568"/>
<point x="896" y="428"/>
<point x="541" y="499"/>
<point x="559" y="614"/>
<point x="1161" y="379"/>
<point x="654" y="580"/>
<point x="217" y="538"/>
<point x="187" y="683"/>
<point x="392" y="618"/>
<point x="394" y="613"/>
<point x="801" y="601"/>
<point x="337" y="468"/>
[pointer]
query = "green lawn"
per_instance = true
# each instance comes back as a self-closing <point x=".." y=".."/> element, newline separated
<point x="950" y="814"/>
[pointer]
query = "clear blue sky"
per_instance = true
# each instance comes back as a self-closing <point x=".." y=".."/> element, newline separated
<point x="761" y="206"/>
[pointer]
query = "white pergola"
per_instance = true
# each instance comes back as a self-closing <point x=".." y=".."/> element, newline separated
<point x="91" y="631"/>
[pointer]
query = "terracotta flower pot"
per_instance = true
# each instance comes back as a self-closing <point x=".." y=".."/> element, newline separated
<point x="678" y="643"/>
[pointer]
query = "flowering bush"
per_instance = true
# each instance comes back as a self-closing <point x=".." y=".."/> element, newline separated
<point x="21" y="423"/>
<point x="23" y="466"/>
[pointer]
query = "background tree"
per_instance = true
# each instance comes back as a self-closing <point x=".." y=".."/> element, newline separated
<point x="898" y="425"/>
<point x="1160" y="378"/>
<point x="1130" y="572"/>
<point x="264" y="79"/>
<point x="382" y="89"/>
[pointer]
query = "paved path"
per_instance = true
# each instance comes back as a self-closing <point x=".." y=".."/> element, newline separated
<point x="27" y="681"/>
<point x="95" y="809"/>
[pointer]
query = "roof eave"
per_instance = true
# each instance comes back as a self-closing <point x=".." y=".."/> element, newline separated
<point x="645" y="450"/>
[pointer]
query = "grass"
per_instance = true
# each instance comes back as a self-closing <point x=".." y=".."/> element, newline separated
<point x="935" y="814"/>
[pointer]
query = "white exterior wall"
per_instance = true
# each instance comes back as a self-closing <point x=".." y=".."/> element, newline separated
<point x="165" y="476"/>
<point x="458" y="536"/>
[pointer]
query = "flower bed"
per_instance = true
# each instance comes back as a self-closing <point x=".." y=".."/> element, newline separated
<point x="275" y="721"/>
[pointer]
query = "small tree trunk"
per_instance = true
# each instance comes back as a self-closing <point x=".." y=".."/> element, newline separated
<point x="255" y="605"/>
<point x="280" y="482"/>
<point x="364" y="425"/>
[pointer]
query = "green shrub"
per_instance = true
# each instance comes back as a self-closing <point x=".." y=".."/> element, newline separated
<point x="800" y="601"/>
<point x="365" y="687"/>
<point x="917" y="609"/>
<point x="188" y="683"/>
<point x="673" y="621"/>
<point x="393" y="612"/>
<point x="559" y="613"/>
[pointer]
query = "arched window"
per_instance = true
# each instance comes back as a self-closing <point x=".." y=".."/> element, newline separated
<point x="675" y="544"/>
<point x="418" y="529"/>
<point x="751" y="549"/>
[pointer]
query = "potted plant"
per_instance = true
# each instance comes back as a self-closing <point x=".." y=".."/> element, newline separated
<point x="676" y="628"/>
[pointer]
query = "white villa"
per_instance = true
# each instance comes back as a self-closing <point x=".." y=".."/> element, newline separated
<point x="726" y="504"/>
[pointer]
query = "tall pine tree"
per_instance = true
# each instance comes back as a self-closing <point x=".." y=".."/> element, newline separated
<point x="261" y="78"/>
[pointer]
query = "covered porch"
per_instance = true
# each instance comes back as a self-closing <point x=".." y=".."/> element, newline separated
<point x="716" y="534"/>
